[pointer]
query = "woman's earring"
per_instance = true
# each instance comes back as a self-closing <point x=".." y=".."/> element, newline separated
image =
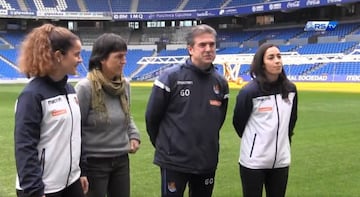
<point x="59" y="60"/>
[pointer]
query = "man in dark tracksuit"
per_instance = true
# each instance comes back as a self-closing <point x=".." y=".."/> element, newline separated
<point x="185" y="112"/>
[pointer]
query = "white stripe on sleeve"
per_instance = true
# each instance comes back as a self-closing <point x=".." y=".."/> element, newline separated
<point x="161" y="85"/>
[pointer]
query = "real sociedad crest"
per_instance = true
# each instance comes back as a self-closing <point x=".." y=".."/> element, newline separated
<point x="216" y="89"/>
<point x="171" y="186"/>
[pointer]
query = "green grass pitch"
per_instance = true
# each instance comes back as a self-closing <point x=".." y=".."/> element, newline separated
<point x="325" y="148"/>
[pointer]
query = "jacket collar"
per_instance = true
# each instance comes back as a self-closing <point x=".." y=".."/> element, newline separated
<point x="191" y="66"/>
<point x="60" y="85"/>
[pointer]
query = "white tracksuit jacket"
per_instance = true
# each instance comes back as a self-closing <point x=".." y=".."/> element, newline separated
<point x="265" y="123"/>
<point x="47" y="137"/>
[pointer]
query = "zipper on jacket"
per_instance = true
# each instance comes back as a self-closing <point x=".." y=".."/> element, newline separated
<point x="170" y="144"/>
<point x="72" y="129"/>
<point x="277" y="131"/>
<point x="253" y="144"/>
<point x="42" y="161"/>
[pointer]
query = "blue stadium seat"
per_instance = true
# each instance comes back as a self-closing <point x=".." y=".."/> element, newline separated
<point x="156" y="67"/>
<point x="235" y="36"/>
<point x="300" y="69"/>
<point x="203" y="4"/>
<point x="156" y="5"/>
<point x="231" y="50"/>
<point x="10" y="54"/>
<point x="97" y="6"/>
<point x="14" y="38"/>
<point x="339" y="68"/>
<point x="133" y="56"/>
<point x="326" y="48"/>
<point x="243" y="2"/>
<point x="8" y="72"/>
<point x="49" y="5"/>
<point x="341" y="30"/>
<point x="11" y="5"/>
<point x="120" y="5"/>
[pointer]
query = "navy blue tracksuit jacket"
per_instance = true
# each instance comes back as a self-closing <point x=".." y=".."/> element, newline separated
<point x="185" y="112"/>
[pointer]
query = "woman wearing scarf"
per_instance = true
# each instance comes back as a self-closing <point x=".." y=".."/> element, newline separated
<point x="108" y="131"/>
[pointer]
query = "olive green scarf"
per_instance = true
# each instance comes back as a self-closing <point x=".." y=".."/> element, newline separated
<point x="100" y="85"/>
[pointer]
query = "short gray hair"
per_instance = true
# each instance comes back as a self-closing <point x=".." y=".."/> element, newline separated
<point x="197" y="30"/>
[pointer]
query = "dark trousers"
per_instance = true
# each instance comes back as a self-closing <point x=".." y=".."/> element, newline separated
<point x="73" y="190"/>
<point x="108" y="177"/>
<point x="253" y="180"/>
<point x="173" y="183"/>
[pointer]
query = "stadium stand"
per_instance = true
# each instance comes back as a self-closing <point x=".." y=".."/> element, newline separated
<point x="10" y="54"/>
<point x="203" y="4"/>
<point x="97" y="6"/>
<point x="120" y="5"/>
<point x="243" y="2"/>
<point x="151" y="5"/>
<point x="298" y="69"/>
<point x="53" y="6"/>
<point x="326" y="48"/>
<point x="343" y="40"/>
<point x="13" y="38"/>
<point x="341" y="68"/>
<point x="10" y="5"/>
<point x="132" y="57"/>
<point x="153" y="68"/>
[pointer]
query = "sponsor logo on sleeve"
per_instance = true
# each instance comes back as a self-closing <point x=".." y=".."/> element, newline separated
<point x="215" y="103"/>
<point x="58" y="112"/>
<point x="265" y="109"/>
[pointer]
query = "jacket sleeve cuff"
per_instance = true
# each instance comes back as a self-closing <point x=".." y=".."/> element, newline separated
<point x="22" y="193"/>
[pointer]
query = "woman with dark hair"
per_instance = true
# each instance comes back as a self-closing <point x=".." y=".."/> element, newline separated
<point x="264" y="118"/>
<point x="108" y="131"/>
<point x="47" y="116"/>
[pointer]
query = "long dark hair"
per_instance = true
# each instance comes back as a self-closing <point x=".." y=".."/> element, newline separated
<point x="257" y="71"/>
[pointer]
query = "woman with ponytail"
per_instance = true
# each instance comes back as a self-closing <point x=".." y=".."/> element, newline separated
<point x="47" y="116"/>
